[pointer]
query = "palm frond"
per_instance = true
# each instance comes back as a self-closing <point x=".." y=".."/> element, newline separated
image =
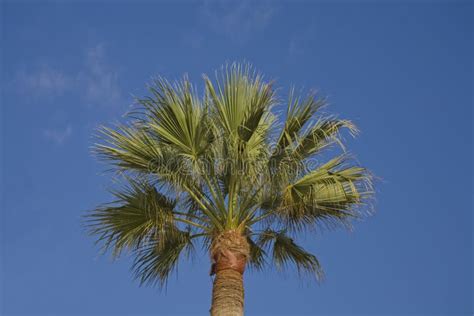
<point x="178" y="119"/>
<point x="139" y="210"/>
<point x="128" y="148"/>
<point x="241" y="103"/>
<point x="297" y="115"/>
<point x="332" y="193"/>
<point x="257" y="255"/>
<point x="286" y="252"/>
<point x="324" y="133"/>
<point x="156" y="260"/>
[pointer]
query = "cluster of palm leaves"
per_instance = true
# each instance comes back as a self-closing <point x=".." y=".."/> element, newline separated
<point x="197" y="165"/>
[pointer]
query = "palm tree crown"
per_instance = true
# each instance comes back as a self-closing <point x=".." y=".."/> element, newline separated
<point x="224" y="170"/>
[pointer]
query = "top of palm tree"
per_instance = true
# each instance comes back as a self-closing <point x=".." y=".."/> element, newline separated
<point x="198" y="167"/>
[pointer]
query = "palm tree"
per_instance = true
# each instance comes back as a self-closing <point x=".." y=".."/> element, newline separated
<point x="221" y="170"/>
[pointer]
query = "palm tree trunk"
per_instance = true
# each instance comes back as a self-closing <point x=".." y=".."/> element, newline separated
<point x="228" y="293"/>
<point x="229" y="252"/>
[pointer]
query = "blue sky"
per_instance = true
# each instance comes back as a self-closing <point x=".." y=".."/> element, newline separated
<point x="402" y="70"/>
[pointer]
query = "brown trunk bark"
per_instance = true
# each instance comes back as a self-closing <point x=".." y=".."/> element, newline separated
<point x="229" y="253"/>
<point x="228" y="293"/>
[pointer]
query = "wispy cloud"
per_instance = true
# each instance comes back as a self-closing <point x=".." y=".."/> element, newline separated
<point x="95" y="83"/>
<point x="237" y="20"/>
<point x="58" y="136"/>
<point x="298" y="44"/>
<point x="44" y="81"/>
<point x="98" y="80"/>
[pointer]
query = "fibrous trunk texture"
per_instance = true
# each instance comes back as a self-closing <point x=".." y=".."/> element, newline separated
<point x="229" y="254"/>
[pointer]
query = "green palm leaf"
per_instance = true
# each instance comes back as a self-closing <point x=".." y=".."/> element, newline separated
<point x="297" y="115"/>
<point x="156" y="260"/>
<point x="332" y="193"/>
<point x="257" y="255"/>
<point x="286" y="252"/>
<point x="128" y="148"/>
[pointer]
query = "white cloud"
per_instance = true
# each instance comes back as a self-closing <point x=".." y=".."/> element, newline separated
<point x="96" y="83"/>
<point x="238" y="20"/>
<point x="299" y="42"/>
<point x="295" y="47"/>
<point x="99" y="81"/>
<point x="58" y="136"/>
<point x="45" y="81"/>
